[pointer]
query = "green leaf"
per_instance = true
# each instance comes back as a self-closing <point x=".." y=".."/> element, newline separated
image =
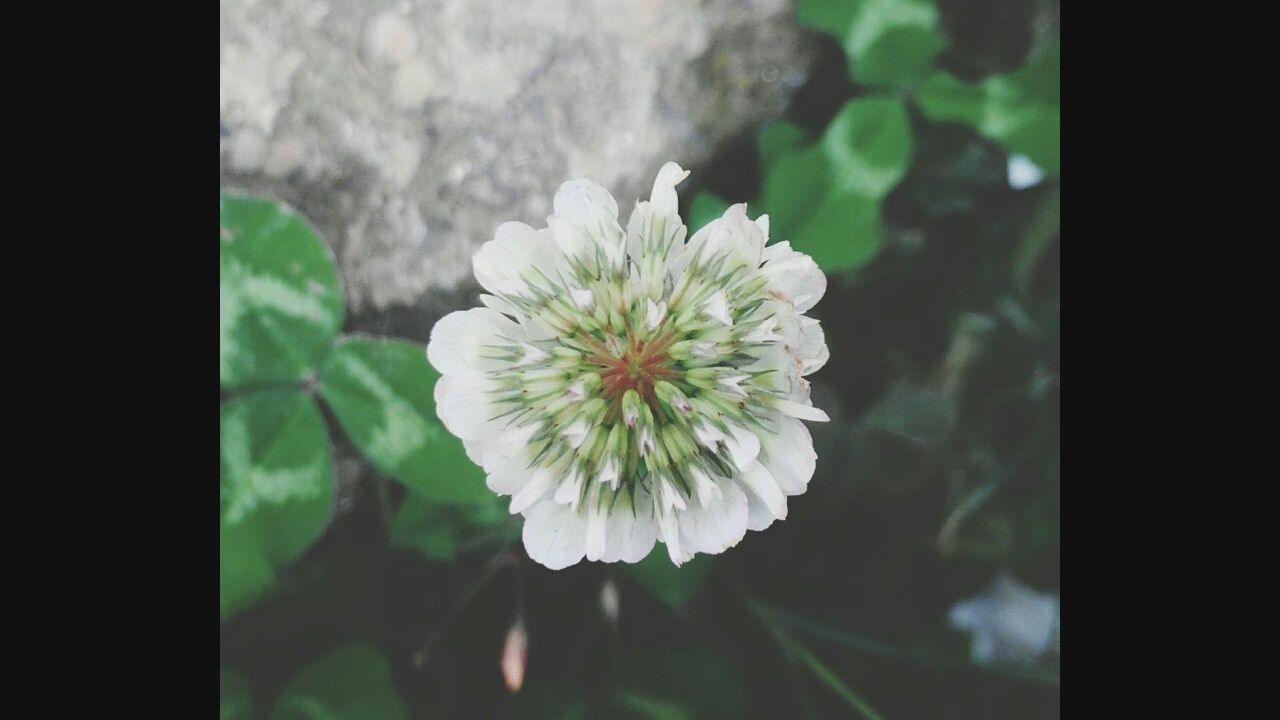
<point x="869" y="145"/>
<point x="693" y="682"/>
<point x="833" y="681"/>
<point x="1019" y="110"/>
<point x="235" y="701"/>
<point x="441" y="531"/>
<point x="353" y="683"/>
<point x="705" y="208"/>
<point x="279" y="301"/>
<point x="676" y="587"/>
<point x="382" y="392"/>
<point x="276" y="487"/>
<point x="888" y="42"/>
<point x="825" y="199"/>
<point x="832" y="16"/>
<point x="630" y="704"/>
<point x="776" y="140"/>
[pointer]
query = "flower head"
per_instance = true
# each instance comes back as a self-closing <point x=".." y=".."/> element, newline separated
<point x="626" y="386"/>
<point x="1010" y="623"/>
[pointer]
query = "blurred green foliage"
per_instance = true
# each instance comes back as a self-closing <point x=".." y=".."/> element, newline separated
<point x="386" y="591"/>
<point x="825" y="194"/>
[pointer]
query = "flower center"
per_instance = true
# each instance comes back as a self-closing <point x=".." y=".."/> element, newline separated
<point x="639" y="366"/>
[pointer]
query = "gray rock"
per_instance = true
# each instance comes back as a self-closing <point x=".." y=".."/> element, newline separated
<point x="407" y="131"/>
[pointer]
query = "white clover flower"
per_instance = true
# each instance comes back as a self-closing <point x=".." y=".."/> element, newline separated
<point x="626" y="387"/>
<point x="1010" y="623"/>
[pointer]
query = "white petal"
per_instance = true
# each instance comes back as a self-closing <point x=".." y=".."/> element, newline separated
<point x="708" y="490"/>
<point x="708" y="434"/>
<point x="544" y="479"/>
<point x="531" y="355"/>
<point x="584" y="202"/>
<point x="743" y="446"/>
<point x="496" y="303"/>
<point x="509" y="442"/>
<point x="717" y="526"/>
<point x="597" y="525"/>
<point x="462" y="341"/>
<point x="515" y="256"/>
<point x="794" y="275"/>
<point x="732" y="234"/>
<point x="788" y="454"/>
<point x="812" y="349"/>
<point x="632" y="530"/>
<point x="509" y="477"/>
<point x="670" y="496"/>
<point x="577" y="433"/>
<point x="738" y="236"/>
<point x="669" y="532"/>
<point x="586" y="221"/>
<point x="758" y="481"/>
<point x="554" y="535"/>
<point x="462" y="404"/>
<point x="654" y="313"/>
<point x="717" y="307"/>
<point x="758" y="515"/>
<point x="570" y="490"/>
<point x="584" y="299"/>
<point x="762" y="222"/>
<point x="798" y="410"/>
<point x="475" y="451"/>
<point x="764" y="332"/>
<point x="664" y="197"/>
<point x="609" y="473"/>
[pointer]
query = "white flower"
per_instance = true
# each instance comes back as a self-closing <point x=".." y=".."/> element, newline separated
<point x="626" y="387"/>
<point x="1010" y="623"/>
<point x="1023" y="173"/>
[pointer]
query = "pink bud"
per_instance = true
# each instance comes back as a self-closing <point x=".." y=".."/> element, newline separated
<point x="514" y="654"/>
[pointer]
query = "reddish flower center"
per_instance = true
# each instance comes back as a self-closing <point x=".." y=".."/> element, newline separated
<point x="640" y="365"/>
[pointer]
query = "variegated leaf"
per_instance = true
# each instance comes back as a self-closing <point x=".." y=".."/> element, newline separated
<point x="382" y="392"/>
<point x="276" y="488"/>
<point x="279" y="300"/>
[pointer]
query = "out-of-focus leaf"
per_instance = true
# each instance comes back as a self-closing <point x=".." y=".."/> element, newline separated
<point x="1019" y="110"/>
<point x="276" y="486"/>
<point x="869" y="144"/>
<point x="920" y="414"/>
<point x="628" y="704"/>
<point x="1044" y="226"/>
<point x="235" y="701"/>
<point x="825" y="199"/>
<point x="691" y="682"/>
<point x="441" y="531"/>
<point x="676" y="587"/>
<point x="833" y="16"/>
<point x="777" y="139"/>
<point x="353" y="683"/>
<point x="888" y="42"/>
<point x="279" y="301"/>
<point x="833" y="681"/>
<point x="382" y="393"/>
<point x="953" y="168"/>
<point x="705" y="208"/>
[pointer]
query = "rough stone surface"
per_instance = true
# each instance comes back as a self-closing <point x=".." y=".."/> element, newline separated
<point x="407" y="131"/>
